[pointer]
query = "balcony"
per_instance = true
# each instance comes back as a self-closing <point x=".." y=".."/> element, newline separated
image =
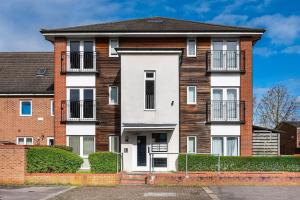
<point x="78" y="62"/>
<point x="78" y="111"/>
<point x="225" y="111"/>
<point x="225" y="61"/>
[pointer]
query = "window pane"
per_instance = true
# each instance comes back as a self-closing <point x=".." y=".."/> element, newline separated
<point x="113" y="95"/>
<point x="26" y="108"/>
<point x="232" y="146"/>
<point x="192" y="95"/>
<point x="192" y="47"/>
<point x="88" y="46"/>
<point x="74" y="103"/>
<point x="52" y="107"/>
<point x="114" y="144"/>
<point x="75" y="54"/>
<point x="217" y="146"/>
<point x="88" y="145"/>
<point x="149" y="94"/>
<point x="113" y="44"/>
<point x="217" y="55"/>
<point x="192" y="145"/>
<point x="28" y="141"/>
<point x="20" y="140"/>
<point x="149" y="75"/>
<point x="74" y="142"/>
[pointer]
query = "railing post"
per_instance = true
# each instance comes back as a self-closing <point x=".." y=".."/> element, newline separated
<point x="219" y="162"/>
<point x="186" y="165"/>
<point x="117" y="162"/>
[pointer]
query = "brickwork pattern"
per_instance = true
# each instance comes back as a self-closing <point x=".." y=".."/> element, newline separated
<point x="246" y="95"/>
<point x="39" y="126"/>
<point x="12" y="164"/>
<point x="73" y="179"/>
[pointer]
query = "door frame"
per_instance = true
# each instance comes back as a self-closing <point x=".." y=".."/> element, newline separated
<point x="134" y="152"/>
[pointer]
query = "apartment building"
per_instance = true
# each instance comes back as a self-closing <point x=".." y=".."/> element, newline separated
<point x="152" y="88"/>
<point x="26" y="98"/>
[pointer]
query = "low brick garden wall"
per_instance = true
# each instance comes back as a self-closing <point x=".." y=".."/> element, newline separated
<point x="72" y="179"/>
<point x="225" y="178"/>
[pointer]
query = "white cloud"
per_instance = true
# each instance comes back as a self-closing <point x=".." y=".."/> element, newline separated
<point x="280" y="29"/>
<point x="292" y="49"/>
<point x="229" y="19"/>
<point x="264" y="51"/>
<point x="198" y="7"/>
<point x="298" y="99"/>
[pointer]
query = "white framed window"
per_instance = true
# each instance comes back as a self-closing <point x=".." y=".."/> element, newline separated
<point x="50" y="141"/>
<point x="114" y="143"/>
<point x="225" y="145"/>
<point x="191" y="47"/>
<point x="191" y="94"/>
<point x="82" y="145"/>
<point x="52" y="107"/>
<point x="191" y="144"/>
<point x="25" y="108"/>
<point x="24" y="140"/>
<point x="113" y="43"/>
<point x="149" y="93"/>
<point x="113" y="95"/>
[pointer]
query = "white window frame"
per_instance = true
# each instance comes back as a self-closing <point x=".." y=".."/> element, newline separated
<point x="224" y="48"/>
<point x="109" y="95"/>
<point x="25" y="140"/>
<point x="25" y="115"/>
<point x="188" y="94"/>
<point x="81" y="144"/>
<point x="110" y="48"/>
<point x="154" y="79"/>
<point x="52" y="107"/>
<point x="188" y="146"/>
<point x="81" y="49"/>
<point x="118" y="143"/>
<point x="225" y="143"/>
<point x="188" y="48"/>
<point x="48" y="140"/>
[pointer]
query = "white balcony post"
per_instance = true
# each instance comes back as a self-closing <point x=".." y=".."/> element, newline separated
<point x="94" y="60"/>
<point x="68" y="63"/>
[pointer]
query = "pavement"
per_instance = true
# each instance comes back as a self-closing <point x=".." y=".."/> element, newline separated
<point x="150" y="193"/>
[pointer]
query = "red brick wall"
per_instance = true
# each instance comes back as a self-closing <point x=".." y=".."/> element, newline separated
<point x="246" y="95"/>
<point x="59" y="91"/>
<point x="12" y="125"/>
<point x="13" y="164"/>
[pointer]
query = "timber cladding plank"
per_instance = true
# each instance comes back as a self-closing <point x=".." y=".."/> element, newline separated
<point x="192" y="72"/>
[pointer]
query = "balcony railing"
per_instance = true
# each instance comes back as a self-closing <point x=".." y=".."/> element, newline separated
<point x="78" y="111"/>
<point x="225" y="111"/>
<point x="159" y="147"/>
<point x="78" y="61"/>
<point x="225" y="61"/>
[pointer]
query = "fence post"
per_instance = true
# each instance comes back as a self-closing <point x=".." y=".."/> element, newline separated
<point x="186" y="165"/>
<point x="117" y="162"/>
<point x="219" y="162"/>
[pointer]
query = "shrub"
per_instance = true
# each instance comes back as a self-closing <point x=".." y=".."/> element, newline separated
<point x="52" y="160"/>
<point x="67" y="148"/>
<point x="103" y="162"/>
<point x="234" y="163"/>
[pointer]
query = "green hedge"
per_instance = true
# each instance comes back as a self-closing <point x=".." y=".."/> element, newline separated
<point x="67" y="148"/>
<point x="52" y="160"/>
<point x="104" y="162"/>
<point x="234" y="163"/>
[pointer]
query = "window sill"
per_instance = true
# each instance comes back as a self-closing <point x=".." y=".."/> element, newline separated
<point x="25" y="115"/>
<point x="149" y="109"/>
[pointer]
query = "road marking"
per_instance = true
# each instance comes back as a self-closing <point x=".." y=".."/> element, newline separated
<point x="58" y="193"/>
<point x="210" y="193"/>
<point x="159" y="194"/>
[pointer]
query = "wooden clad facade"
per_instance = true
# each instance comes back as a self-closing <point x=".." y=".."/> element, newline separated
<point x="192" y="73"/>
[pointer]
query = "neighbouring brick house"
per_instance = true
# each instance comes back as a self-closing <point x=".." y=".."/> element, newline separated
<point x="290" y="140"/>
<point x="152" y="88"/>
<point x="26" y="96"/>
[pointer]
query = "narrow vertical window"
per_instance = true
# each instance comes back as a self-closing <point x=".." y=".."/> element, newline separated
<point x="25" y="108"/>
<point x="114" y="144"/>
<point x="191" y="144"/>
<point x="191" y="47"/>
<point x="191" y="95"/>
<point x="217" y="146"/>
<point x="232" y="146"/>
<point x="74" y="142"/>
<point x="88" y="145"/>
<point x="75" y="54"/>
<point x="113" y="43"/>
<point x="113" y="95"/>
<point x="52" y="107"/>
<point x="88" y="59"/>
<point x="149" y="90"/>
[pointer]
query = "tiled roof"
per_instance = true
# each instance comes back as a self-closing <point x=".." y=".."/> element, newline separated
<point x="153" y="24"/>
<point x="293" y="123"/>
<point x="26" y="72"/>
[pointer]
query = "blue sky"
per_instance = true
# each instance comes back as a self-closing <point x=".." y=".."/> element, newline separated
<point x="276" y="57"/>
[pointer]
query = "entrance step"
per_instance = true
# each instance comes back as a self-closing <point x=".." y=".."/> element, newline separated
<point x="133" y="179"/>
